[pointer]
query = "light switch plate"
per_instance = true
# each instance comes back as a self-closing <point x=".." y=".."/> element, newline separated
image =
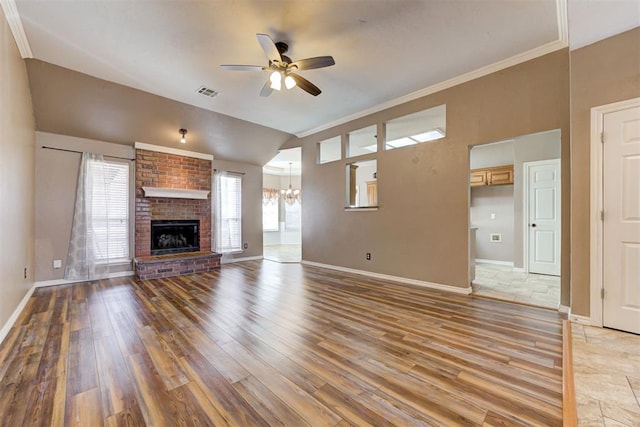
<point x="57" y="263"/>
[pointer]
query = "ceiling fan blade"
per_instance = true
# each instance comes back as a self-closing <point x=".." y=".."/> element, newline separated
<point x="269" y="47"/>
<point x="242" y="67"/>
<point x="266" y="89"/>
<point x="311" y="63"/>
<point x="306" y="85"/>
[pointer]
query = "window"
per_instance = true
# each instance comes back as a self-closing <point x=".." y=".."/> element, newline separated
<point x="293" y="216"/>
<point x="229" y="210"/>
<point x="109" y="213"/>
<point x="362" y="184"/>
<point x="416" y="128"/>
<point x="270" y="209"/>
<point x="362" y="141"/>
<point x="330" y="149"/>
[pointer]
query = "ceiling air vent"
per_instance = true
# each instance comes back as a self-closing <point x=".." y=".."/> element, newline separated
<point x="208" y="92"/>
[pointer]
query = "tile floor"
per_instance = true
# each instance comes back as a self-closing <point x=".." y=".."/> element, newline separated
<point x="502" y="282"/>
<point x="606" y="372"/>
<point x="283" y="253"/>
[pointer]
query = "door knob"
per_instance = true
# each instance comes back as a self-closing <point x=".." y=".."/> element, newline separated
<point x="533" y="225"/>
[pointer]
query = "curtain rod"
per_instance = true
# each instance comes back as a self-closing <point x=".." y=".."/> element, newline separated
<point x="81" y="152"/>
<point x="234" y="172"/>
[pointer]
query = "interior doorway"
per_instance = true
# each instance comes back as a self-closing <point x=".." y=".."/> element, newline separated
<point x="282" y="207"/>
<point x="513" y="185"/>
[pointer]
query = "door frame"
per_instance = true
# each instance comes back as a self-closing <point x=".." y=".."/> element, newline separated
<point x="596" y="226"/>
<point x="526" y="166"/>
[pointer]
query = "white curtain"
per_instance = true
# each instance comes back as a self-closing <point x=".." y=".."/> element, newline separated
<point x="86" y="260"/>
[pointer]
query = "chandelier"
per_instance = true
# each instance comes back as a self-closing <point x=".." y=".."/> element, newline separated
<point x="270" y="195"/>
<point x="290" y="195"/>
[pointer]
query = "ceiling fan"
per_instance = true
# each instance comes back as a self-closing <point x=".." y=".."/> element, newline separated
<point x="282" y="69"/>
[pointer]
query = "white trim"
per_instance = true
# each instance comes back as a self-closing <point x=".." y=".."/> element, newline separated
<point x="175" y="193"/>
<point x="249" y="258"/>
<point x="493" y="262"/>
<point x="170" y="150"/>
<point x="472" y="75"/>
<point x="362" y="209"/>
<point x="596" y="205"/>
<point x="15" y="23"/>
<point x="582" y="320"/>
<point x="563" y="21"/>
<point x="437" y="286"/>
<point x="14" y="316"/>
<point x="525" y="207"/>
<point x="57" y="282"/>
<point x="564" y="308"/>
<point x="519" y="270"/>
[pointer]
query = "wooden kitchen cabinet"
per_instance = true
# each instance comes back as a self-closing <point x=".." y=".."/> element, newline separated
<point x="499" y="175"/>
<point x="478" y="177"/>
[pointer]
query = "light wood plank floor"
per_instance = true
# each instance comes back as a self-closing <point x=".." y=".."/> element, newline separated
<point x="264" y="343"/>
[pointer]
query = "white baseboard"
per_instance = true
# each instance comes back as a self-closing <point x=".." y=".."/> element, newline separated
<point x="564" y="308"/>
<point x="14" y="316"/>
<point x="518" y="270"/>
<point x="494" y="262"/>
<point x="57" y="282"/>
<point x="582" y="320"/>
<point x="232" y="260"/>
<point x="438" y="286"/>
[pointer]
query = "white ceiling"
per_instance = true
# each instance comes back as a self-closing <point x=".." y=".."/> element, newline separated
<point x="283" y="161"/>
<point x="594" y="20"/>
<point x="385" y="51"/>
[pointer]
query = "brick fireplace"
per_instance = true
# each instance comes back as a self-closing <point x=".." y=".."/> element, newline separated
<point x="172" y="186"/>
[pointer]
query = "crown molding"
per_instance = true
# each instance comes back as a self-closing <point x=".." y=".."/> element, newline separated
<point x="562" y="16"/>
<point x="15" y="23"/>
<point x="472" y="75"/>
<point x="562" y="42"/>
<point x="171" y="150"/>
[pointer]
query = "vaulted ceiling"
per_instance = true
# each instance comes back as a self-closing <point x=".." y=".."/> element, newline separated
<point x="386" y="52"/>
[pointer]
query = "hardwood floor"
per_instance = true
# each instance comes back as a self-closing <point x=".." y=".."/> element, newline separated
<point x="264" y="343"/>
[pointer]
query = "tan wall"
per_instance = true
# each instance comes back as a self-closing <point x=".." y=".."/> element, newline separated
<point x="55" y="193"/>
<point x="71" y="103"/>
<point x="251" y="204"/>
<point x="17" y="142"/>
<point x="602" y="73"/>
<point x="421" y="228"/>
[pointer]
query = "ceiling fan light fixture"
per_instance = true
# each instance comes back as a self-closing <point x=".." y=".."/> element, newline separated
<point x="276" y="80"/>
<point x="289" y="82"/>
<point x="282" y="67"/>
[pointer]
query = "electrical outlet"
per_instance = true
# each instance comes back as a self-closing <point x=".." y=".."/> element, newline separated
<point x="368" y="256"/>
<point x="57" y="263"/>
<point x="245" y="246"/>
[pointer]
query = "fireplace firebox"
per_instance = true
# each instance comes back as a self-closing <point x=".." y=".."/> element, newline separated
<point x="175" y="236"/>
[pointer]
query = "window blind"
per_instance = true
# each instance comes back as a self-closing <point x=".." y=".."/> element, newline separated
<point x="231" y="213"/>
<point x="109" y="217"/>
<point x="293" y="216"/>
<point x="270" y="212"/>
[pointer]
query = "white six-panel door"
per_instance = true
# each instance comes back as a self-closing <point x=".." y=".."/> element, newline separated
<point x="543" y="216"/>
<point x="621" y="227"/>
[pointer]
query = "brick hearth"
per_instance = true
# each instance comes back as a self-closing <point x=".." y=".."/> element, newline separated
<point x="163" y="170"/>
<point x="158" y="266"/>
